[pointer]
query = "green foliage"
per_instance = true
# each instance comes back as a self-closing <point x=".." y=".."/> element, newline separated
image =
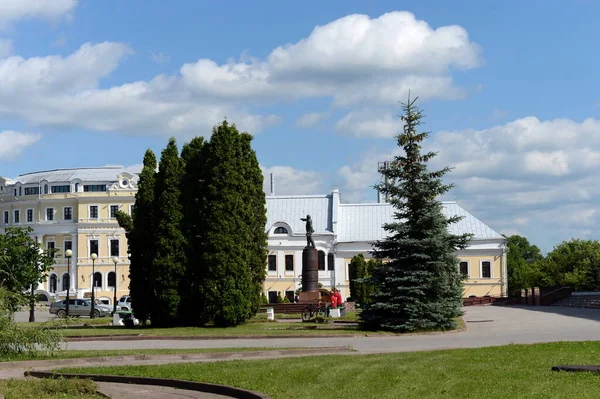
<point x="49" y="388"/>
<point x="16" y="339"/>
<point x="263" y="299"/>
<point x="169" y="263"/>
<point x="523" y="264"/>
<point x="360" y="271"/>
<point x="141" y="239"/>
<point x="285" y="299"/>
<point x="574" y="263"/>
<point x="418" y="280"/>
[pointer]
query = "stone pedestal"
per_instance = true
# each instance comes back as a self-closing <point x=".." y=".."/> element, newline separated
<point x="310" y="276"/>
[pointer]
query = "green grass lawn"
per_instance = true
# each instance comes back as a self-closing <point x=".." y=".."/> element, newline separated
<point x="74" y="354"/>
<point x="514" y="371"/>
<point x="49" y="389"/>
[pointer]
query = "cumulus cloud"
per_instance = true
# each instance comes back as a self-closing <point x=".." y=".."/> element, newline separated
<point x="12" y="143"/>
<point x="311" y="119"/>
<point x="350" y="61"/>
<point x="367" y="123"/>
<point x="290" y="181"/>
<point x="13" y="10"/>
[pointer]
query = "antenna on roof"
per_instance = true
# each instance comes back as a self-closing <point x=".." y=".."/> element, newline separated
<point x="272" y="184"/>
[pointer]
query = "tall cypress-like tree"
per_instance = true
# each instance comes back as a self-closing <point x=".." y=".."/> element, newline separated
<point x="169" y="266"/>
<point x="193" y="196"/>
<point x="418" y="281"/>
<point x="228" y="286"/>
<point x="141" y="239"/>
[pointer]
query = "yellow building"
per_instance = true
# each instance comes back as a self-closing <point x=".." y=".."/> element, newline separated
<point x="75" y="209"/>
<point x="345" y="230"/>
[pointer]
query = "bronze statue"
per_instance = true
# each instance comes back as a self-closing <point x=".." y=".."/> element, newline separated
<point x="309" y="231"/>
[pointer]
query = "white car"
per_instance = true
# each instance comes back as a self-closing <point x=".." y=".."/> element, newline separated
<point x="124" y="303"/>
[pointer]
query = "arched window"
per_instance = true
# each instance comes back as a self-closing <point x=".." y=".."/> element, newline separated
<point x="45" y="189"/>
<point x="112" y="280"/>
<point x="98" y="280"/>
<point x="20" y="191"/>
<point x="321" y="260"/>
<point x="280" y="230"/>
<point x="330" y="262"/>
<point x="65" y="281"/>
<point x="76" y="187"/>
<point x="52" y="284"/>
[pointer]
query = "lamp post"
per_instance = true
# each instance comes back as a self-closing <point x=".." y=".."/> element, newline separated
<point x="94" y="257"/>
<point x="68" y="254"/>
<point x="115" y="261"/>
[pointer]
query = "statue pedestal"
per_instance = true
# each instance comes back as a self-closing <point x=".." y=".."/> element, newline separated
<point x="310" y="276"/>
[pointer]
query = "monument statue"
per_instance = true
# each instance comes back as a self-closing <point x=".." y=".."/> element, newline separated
<point x="309" y="230"/>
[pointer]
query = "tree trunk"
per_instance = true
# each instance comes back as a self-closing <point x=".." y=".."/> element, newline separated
<point x="32" y="306"/>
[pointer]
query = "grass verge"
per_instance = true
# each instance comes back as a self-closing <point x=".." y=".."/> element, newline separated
<point x="514" y="371"/>
<point x="75" y="354"/>
<point x="49" y="389"/>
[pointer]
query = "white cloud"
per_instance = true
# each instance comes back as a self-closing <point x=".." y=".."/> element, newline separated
<point x="13" y="143"/>
<point x="367" y="123"/>
<point x="160" y="58"/>
<point x="13" y="10"/>
<point x="498" y="113"/>
<point x="6" y="47"/>
<point x="353" y="60"/>
<point x="290" y="181"/>
<point x="311" y="119"/>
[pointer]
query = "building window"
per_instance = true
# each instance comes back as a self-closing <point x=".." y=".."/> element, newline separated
<point x="98" y="280"/>
<point x="49" y="214"/>
<point x="5" y="217"/>
<point x="52" y="284"/>
<point x="17" y="216"/>
<point x="93" y="211"/>
<point x="51" y="246"/>
<point x="321" y="260"/>
<point x="76" y="187"/>
<point x="65" y="281"/>
<point x="486" y="269"/>
<point x="272" y="296"/>
<point x="32" y="190"/>
<point x="61" y="189"/>
<point x="29" y="215"/>
<point x="112" y="279"/>
<point x="113" y="211"/>
<point x="68" y="245"/>
<point x="289" y="263"/>
<point x="114" y="247"/>
<point x="20" y="191"/>
<point x="280" y="230"/>
<point x="290" y="296"/>
<point x="93" y="247"/>
<point x="131" y="209"/>
<point x="272" y="263"/>
<point x="94" y="187"/>
<point x="330" y="262"/>
<point x="464" y="268"/>
<point x="68" y="213"/>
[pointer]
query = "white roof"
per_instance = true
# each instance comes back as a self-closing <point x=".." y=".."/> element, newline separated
<point x="358" y="222"/>
<point x="102" y="174"/>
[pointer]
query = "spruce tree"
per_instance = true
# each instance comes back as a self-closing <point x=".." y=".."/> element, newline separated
<point x="228" y="286"/>
<point x="418" y="281"/>
<point x="169" y="266"/>
<point x="141" y="239"/>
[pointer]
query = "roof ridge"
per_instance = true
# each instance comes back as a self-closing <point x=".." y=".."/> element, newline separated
<point x="62" y="169"/>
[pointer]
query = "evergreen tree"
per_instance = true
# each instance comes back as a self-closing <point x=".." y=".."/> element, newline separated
<point x="418" y="282"/>
<point x="141" y="238"/>
<point x="169" y="266"/>
<point x="228" y="287"/>
<point x="357" y="270"/>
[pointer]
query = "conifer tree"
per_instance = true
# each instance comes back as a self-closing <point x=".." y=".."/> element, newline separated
<point x="228" y="287"/>
<point x="140" y="238"/>
<point x="418" y="281"/>
<point x="169" y="266"/>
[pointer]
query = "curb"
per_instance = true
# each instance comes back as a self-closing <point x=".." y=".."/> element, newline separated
<point x="163" y="382"/>
<point x="206" y="337"/>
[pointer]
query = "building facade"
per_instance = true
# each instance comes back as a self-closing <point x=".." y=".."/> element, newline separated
<point x="75" y="209"/>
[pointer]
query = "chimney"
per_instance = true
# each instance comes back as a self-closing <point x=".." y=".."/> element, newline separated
<point x="272" y="184"/>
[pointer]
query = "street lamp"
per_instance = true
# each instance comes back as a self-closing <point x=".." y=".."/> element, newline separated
<point x="115" y="261"/>
<point x="68" y="254"/>
<point x="94" y="257"/>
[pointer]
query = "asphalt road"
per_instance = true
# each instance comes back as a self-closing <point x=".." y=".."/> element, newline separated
<point x="40" y="315"/>
<point x="487" y="326"/>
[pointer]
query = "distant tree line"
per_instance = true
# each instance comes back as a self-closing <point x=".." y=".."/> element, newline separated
<point x="574" y="263"/>
<point x="197" y="233"/>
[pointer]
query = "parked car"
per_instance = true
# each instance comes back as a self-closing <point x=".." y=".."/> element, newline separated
<point x="79" y="307"/>
<point x="124" y="303"/>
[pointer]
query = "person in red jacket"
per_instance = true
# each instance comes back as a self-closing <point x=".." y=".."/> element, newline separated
<point x="338" y="297"/>
<point x="333" y="299"/>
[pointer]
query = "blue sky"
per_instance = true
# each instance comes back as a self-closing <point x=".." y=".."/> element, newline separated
<point x="510" y="91"/>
